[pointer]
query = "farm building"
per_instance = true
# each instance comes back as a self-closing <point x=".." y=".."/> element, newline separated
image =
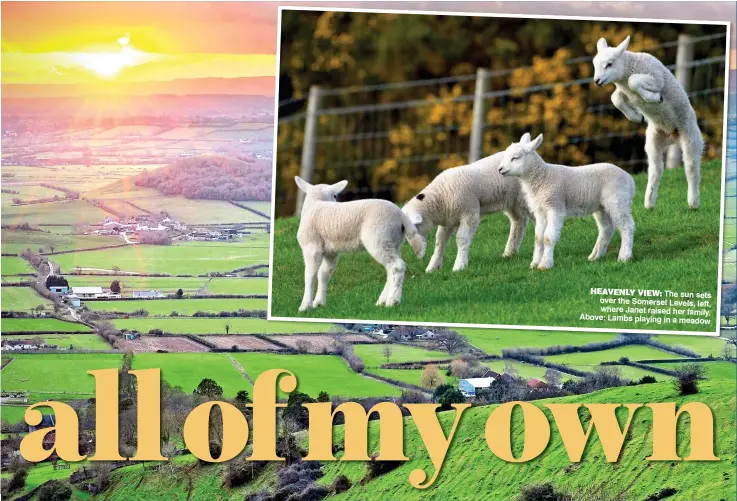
<point x="130" y="336"/>
<point x="148" y="294"/>
<point x="536" y="383"/>
<point x="59" y="289"/>
<point x="87" y="292"/>
<point x="469" y="387"/>
<point x="74" y="300"/>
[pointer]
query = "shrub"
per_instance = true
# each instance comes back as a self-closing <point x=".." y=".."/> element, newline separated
<point x="647" y="380"/>
<point x="241" y="472"/>
<point x="156" y="332"/>
<point x="378" y="467"/>
<point x="341" y="484"/>
<point x="687" y="378"/>
<point x="541" y="492"/>
<point x="54" y="490"/>
<point x="18" y="480"/>
<point x="662" y="494"/>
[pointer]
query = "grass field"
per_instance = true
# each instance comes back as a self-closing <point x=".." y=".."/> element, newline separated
<point x="634" y="353"/>
<point x="526" y="371"/>
<point x="41" y="324"/>
<point x="714" y="370"/>
<point x="188" y="369"/>
<point x="627" y="372"/>
<point x="66" y="212"/>
<point x="29" y="192"/>
<point x="493" y="341"/>
<point x="172" y="259"/>
<point x="373" y="356"/>
<point x="410" y="376"/>
<point x="316" y="373"/>
<point x="15" y="265"/>
<point x="68" y="341"/>
<point x="199" y="211"/>
<point x="61" y="374"/>
<point x="21" y="298"/>
<point x="258" y="286"/>
<point x="15" y="242"/>
<point x="181" y="306"/>
<point x="217" y="325"/>
<point x="675" y="249"/>
<point x="702" y="345"/>
<point x="14" y="413"/>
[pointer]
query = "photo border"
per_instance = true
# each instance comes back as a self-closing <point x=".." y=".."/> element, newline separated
<point x="725" y="121"/>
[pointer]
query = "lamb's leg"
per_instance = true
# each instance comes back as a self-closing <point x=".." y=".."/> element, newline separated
<point x="392" y="261"/>
<point x="656" y="141"/>
<point x="464" y="237"/>
<point x="692" y="147"/>
<point x="647" y="87"/>
<point x="622" y="103"/>
<point x="550" y="238"/>
<point x="517" y="225"/>
<point x="606" y="230"/>
<point x="441" y="241"/>
<point x="312" y="258"/>
<point x="626" y="227"/>
<point x="540" y="223"/>
<point x="329" y="261"/>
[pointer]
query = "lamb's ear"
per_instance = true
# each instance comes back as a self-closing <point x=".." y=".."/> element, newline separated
<point x="302" y="184"/>
<point x="623" y="46"/>
<point x="534" y="144"/>
<point x="415" y="218"/>
<point x="339" y="186"/>
<point x="601" y="44"/>
<point x="525" y="138"/>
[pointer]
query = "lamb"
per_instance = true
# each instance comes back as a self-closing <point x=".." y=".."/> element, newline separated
<point x="328" y="228"/>
<point x="646" y="91"/>
<point x="455" y="201"/>
<point x="555" y="192"/>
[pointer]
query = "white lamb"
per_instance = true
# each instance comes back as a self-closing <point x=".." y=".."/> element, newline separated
<point x="328" y="228"/>
<point x="646" y="91"/>
<point x="555" y="192"/>
<point x="455" y="201"/>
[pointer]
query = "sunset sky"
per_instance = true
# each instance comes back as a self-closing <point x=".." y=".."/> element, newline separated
<point x="124" y="45"/>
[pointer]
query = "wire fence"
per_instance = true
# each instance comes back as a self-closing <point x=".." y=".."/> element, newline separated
<point x="390" y="140"/>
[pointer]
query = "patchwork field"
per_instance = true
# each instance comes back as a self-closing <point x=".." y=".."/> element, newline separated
<point x="199" y="211"/>
<point x="627" y="372"/>
<point x="67" y="341"/>
<point x="634" y="353"/>
<point x="65" y="212"/>
<point x="258" y="286"/>
<point x="15" y="265"/>
<point x="151" y="344"/>
<point x="411" y="376"/>
<point x="188" y="369"/>
<point x="319" y="344"/>
<point x="172" y="259"/>
<point x="15" y="242"/>
<point x="316" y="373"/>
<point x="373" y="356"/>
<point x="251" y="343"/>
<point x="492" y="341"/>
<point x="21" y="298"/>
<point x="29" y="192"/>
<point x="181" y="306"/>
<point x="217" y="325"/>
<point x="41" y="325"/>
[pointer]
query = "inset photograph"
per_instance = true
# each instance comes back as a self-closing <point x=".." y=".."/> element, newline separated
<point x="493" y="171"/>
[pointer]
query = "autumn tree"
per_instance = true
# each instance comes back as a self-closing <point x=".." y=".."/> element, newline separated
<point x="431" y="377"/>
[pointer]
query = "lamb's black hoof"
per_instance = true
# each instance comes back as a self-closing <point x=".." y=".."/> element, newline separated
<point x="661" y="98"/>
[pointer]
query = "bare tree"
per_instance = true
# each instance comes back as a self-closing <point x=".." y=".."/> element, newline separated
<point x="728" y="351"/>
<point x="386" y="350"/>
<point x="510" y="369"/>
<point x="450" y="341"/>
<point x="553" y="377"/>
<point x="459" y="368"/>
<point x="431" y="377"/>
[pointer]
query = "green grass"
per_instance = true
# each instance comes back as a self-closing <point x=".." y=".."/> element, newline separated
<point x="57" y="374"/>
<point x="198" y="211"/>
<point x="675" y="248"/>
<point x="68" y="341"/>
<point x="181" y="306"/>
<point x="316" y="373"/>
<point x="714" y="370"/>
<point x="472" y="471"/>
<point x="373" y="356"/>
<point x="188" y="369"/>
<point x="217" y="325"/>
<point x="493" y="341"/>
<point x="625" y="371"/>
<point x="15" y="242"/>
<point x="634" y="353"/>
<point x="172" y="259"/>
<point x="411" y="376"/>
<point x="71" y="212"/>
<point x="526" y="371"/>
<point x="21" y="298"/>
<point x="171" y="284"/>
<point x="41" y="324"/>
<point x="15" y="265"/>
<point x="14" y="413"/>
<point x="702" y="345"/>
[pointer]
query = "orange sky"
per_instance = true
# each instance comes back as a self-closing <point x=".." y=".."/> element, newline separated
<point x="129" y="43"/>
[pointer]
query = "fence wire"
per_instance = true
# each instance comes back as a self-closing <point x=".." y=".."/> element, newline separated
<point x="390" y="140"/>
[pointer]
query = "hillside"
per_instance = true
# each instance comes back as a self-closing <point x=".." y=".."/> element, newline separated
<point x="471" y="471"/>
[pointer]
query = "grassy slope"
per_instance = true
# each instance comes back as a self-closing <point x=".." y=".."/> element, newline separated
<point x="14" y="265"/>
<point x="372" y="355"/>
<point x="76" y="211"/>
<point x="18" y="241"/>
<point x="217" y="325"/>
<point x="493" y="341"/>
<point x="78" y="341"/>
<point x="634" y="353"/>
<point x="675" y="249"/>
<point x="21" y="298"/>
<point x="181" y="306"/>
<point x="40" y="324"/>
<point x="702" y="345"/>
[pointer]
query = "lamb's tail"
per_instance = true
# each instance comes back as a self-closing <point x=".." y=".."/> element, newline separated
<point x="416" y="241"/>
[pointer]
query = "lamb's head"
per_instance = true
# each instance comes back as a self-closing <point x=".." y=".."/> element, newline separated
<point x="320" y="192"/>
<point x="416" y="210"/>
<point x="519" y="157"/>
<point x="608" y="62"/>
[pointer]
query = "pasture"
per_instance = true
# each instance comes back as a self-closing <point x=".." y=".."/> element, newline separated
<point x="21" y="298"/>
<point x="199" y="211"/>
<point x="625" y="371"/>
<point x="80" y="178"/>
<point x="56" y="373"/>
<point x="259" y="286"/>
<point x="63" y="212"/>
<point x="181" y="306"/>
<point x="172" y="259"/>
<point x="493" y="341"/>
<point x="29" y="192"/>
<point x="316" y="373"/>
<point x="15" y="265"/>
<point x="411" y="376"/>
<point x="186" y="370"/>
<point x="703" y="345"/>
<point x="41" y="325"/>
<point x="674" y="249"/>
<point x="67" y="341"/>
<point x="373" y="354"/>
<point x="217" y="325"/>
<point x="718" y="369"/>
<point x="633" y="352"/>
<point x="15" y="242"/>
<point x="14" y="413"/>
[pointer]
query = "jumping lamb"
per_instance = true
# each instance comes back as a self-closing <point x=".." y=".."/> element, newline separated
<point x="555" y="192"/>
<point x="328" y="228"/>
<point x="455" y="201"/>
<point x="646" y="91"/>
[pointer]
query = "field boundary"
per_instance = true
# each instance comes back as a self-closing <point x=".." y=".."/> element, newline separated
<point x="394" y="382"/>
<point x="240" y="369"/>
<point x="257" y="212"/>
<point x="85" y="250"/>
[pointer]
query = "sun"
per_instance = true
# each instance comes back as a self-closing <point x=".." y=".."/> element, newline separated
<point x="109" y="64"/>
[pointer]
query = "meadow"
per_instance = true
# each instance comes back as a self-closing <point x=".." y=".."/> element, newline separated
<point x="674" y="249"/>
<point x="493" y="341"/>
<point x="21" y="298"/>
<point x="63" y="212"/>
<point x="15" y="242"/>
<point x="626" y="372"/>
<point x="373" y="356"/>
<point x="15" y="265"/>
<point x="217" y="325"/>
<point x="703" y="345"/>
<point x="67" y="341"/>
<point x="411" y="376"/>
<point x="171" y="259"/>
<point x="718" y="369"/>
<point x="634" y="353"/>
<point x="181" y="306"/>
<point x="41" y="325"/>
<point x="199" y="211"/>
<point x="258" y="286"/>
<point x="316" y="373"/>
